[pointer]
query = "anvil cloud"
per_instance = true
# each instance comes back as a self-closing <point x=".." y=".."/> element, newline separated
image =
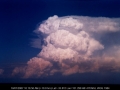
<point x="70" y="46"/>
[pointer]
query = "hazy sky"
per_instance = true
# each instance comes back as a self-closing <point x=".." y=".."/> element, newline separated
<point x="81" y="41"/>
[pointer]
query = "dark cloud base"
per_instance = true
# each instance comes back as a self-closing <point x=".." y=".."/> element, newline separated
<point x="85" y="78"/>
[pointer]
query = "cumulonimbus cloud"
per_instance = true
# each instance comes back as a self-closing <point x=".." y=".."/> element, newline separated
<point x="70" y="43"/>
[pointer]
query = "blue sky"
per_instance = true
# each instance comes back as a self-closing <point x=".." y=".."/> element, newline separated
<point x="18" y="20"/>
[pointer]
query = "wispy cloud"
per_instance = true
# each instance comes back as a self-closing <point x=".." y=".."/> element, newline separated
<point x="1" y="71"/>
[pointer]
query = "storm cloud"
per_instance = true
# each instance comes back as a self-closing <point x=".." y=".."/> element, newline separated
<point x="70" y="45"/>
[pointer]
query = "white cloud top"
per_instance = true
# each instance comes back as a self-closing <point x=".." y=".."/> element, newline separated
<point x="71" y="42"/>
